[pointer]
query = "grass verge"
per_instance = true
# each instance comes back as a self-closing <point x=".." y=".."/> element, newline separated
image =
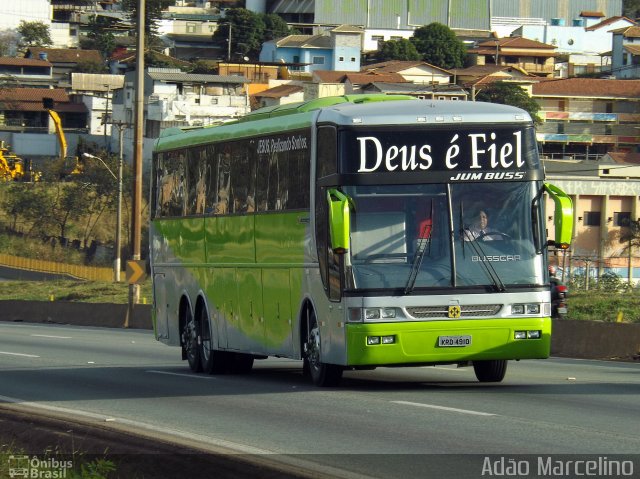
<point x="68" y="290"/>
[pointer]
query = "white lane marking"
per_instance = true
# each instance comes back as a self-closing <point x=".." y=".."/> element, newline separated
<point x="443" y="408"/>
<point x="19" y="354"/>
<point x="192" y="376"/>
<point x="50" y="336"/>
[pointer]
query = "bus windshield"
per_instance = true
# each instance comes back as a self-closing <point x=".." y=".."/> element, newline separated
<point x="460" y="235"/>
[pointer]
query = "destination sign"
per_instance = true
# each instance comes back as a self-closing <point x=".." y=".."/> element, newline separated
<point x="452" y="155"/>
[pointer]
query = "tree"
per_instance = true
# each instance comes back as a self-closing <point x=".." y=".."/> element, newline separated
<point x="152" y="14"/>
<point x="631" y="9"/>
<point x="26" y="204"/>
<point x="34" y="34"/>
<point x="401" y="49"/>
<point x="510" y="94"/>
<point x="274" y="27"/>
<point x="8" y="42"/>
<point x="247" y="33"/>
<point x="99" y="37"/>
<point x="439" y="46"/>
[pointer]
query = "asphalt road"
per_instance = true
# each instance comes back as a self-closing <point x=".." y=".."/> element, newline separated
<point x="400" y="422"/>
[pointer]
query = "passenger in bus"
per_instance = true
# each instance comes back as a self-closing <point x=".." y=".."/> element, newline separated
<point x="480" y="230"/>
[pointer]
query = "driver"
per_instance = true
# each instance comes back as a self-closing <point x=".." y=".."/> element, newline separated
<point x="480" y="229"/>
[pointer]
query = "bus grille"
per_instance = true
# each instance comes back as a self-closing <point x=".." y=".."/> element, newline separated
<point x="468" y="311"/>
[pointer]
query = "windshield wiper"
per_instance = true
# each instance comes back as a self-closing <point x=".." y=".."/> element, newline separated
<point x="424" y="242"/>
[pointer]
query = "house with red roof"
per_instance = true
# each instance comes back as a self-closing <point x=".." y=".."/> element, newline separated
<point x="535" y="57"/>
<point x="65" y="61"/>
<point x="26" y="125"/>
<point x="25" y="72"/>
<point x="413" y="71"/>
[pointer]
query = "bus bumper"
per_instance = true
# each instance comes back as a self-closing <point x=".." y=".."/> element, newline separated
<point x="378" y="344"/>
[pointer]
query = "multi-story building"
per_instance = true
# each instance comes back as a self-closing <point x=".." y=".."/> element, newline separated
<point x="626" y="52"/>
<point x="177" y="99"/>
<point x="605" y="196"/>
<point x="587" y="118"/>
<point x="394" y="19"/>
<point x="584" y="46"/>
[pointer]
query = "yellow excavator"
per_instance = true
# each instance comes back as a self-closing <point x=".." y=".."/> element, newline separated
<point x="11" y="166"/>
<point x="72" y="165"/>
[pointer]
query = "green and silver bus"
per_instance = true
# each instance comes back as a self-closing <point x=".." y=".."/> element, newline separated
<point x="337" y="231"/>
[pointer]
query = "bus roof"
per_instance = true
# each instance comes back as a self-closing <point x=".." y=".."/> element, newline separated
<point x="345" y="110"/>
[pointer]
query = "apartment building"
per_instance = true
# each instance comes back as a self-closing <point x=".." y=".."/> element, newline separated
<point x="585" y="118"/>
<point x="177" y="99"/>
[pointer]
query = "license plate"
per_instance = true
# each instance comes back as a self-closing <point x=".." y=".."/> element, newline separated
<point x="454" y="341"/>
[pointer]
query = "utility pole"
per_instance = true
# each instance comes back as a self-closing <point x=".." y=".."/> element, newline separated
<point x="134" y="289"/>
<point x="121" y="125"/>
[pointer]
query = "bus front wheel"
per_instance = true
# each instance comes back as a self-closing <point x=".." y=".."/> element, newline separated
<point x="322" y="374"/>
<point x="491" y="371"/>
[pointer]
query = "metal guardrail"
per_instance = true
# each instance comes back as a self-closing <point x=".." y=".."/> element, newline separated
<point x="77" y="271"/>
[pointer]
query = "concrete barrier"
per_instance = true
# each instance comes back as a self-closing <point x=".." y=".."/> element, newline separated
<point x="68" y="312"/>
<point x="570" y="338"/>
<point x="595" y="339"/>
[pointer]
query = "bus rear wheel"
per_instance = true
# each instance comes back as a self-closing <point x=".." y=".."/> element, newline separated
<point x="491" y="371"/>
<point x="322" y="374"/>
<point x="190" y="340"/>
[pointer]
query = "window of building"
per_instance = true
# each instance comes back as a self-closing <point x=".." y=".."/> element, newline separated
<point x="353" y="59"/>
<point x="592" y="218"/>
<point x="341" y="59"/>
<point x="377" y="38"/>
<point x="621" y="218"/>
<point x="191" y="27"/>
<point x="317" y="60"/>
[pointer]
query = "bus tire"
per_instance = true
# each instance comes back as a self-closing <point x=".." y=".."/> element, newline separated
<point x="212" y="360"/>
<point x="491" y="371"/>
<point x="191" y="340"/>
<point x="322" y="374"/>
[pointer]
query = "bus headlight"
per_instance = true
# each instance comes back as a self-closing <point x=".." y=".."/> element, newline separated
<point x="356" y="315"/>
<point x="371" y="313"/>
<point x="533" y="308"/>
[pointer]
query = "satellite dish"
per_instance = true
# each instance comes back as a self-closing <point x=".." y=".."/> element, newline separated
<point x="246" y="59"/>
